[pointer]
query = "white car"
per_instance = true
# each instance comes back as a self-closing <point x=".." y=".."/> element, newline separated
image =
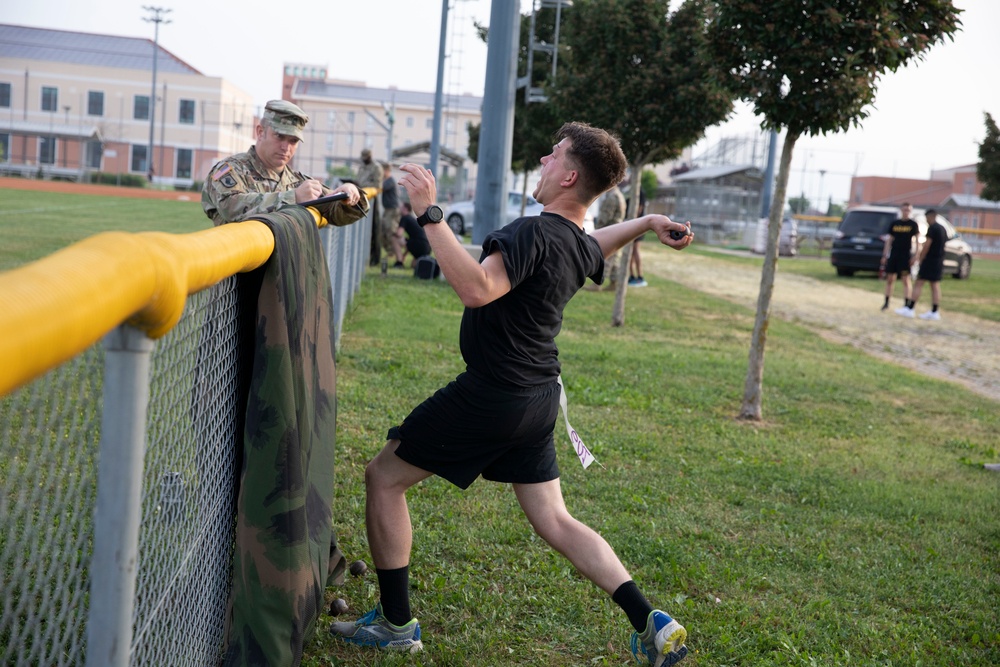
<point x="460" y="214"/>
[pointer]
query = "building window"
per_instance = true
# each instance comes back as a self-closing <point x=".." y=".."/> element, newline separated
<point x="350" y="141"/>
<point x="46" y="150"/>
<point x="4" y="147"/>
<point x="94" y="152"/>
<point x="409" y="121"/>
<point x="329" y="143"/>
<point x="5" y="95"/>
<point x="974" y="222"/>
<point x="350" y="117"/>
<point x="139" y="165"/>
<point x="859" y="192"/>
<point x="140" y="107"/>
<point x="288" y="70"/>
<point x="50" y="98"/>
<point x="95" y="103"/>
<point x="331" y="118"/>
<point x="184" y="163"/>
<point x="429" y="123"/>
<point x="186" y="114"/>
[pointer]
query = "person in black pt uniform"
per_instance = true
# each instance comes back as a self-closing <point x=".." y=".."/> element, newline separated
<point x="496" y="420"/>
<point x="897" y="259"/>
<point x="416" y="242"/>
<point x="931" y="265"/>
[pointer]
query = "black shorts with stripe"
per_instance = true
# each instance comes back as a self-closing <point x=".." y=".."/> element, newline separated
<point x="471" y="428"/>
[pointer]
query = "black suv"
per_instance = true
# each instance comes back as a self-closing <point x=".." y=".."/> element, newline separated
<point x="859" y="242"/>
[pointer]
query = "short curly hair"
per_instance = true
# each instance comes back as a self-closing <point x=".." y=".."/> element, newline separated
<point x="597" y="155"/>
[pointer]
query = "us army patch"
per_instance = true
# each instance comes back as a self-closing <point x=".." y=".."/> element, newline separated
<point x="222" y="172"/>
<point x="228" y="181"/>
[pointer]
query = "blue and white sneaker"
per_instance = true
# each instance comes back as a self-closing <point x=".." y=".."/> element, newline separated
<point x="373" y="629"/>
<point x="661" y="643"/>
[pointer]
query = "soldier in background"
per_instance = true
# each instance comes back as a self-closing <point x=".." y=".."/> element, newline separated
<point x="370" y="176"/>
<point x="260" y="181"/>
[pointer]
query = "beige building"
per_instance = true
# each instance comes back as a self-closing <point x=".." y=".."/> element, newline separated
<point x="346" y="117"/>
<point x="73" y="103"/>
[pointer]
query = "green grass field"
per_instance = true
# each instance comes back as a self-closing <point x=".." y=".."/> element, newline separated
<point x="855" y="526"/>
<point x="36" y="224"/>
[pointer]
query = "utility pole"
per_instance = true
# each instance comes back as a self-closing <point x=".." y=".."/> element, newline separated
<point x="439" y="91"/>
<point x="156" y="19"/>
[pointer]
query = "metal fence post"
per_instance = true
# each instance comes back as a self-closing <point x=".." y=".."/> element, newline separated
<point x="119" y="496"/>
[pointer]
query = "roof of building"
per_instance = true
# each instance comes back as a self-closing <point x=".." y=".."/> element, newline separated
<point x="718" y="171"/>
<point x="316" y="89"/>
<point x="81" y="48"/>
<point x="971" y="201"/>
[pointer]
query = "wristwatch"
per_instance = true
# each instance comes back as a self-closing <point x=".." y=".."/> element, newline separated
<point x="432" y="215"/>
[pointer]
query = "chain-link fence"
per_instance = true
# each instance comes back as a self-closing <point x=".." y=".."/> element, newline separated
<point x="66" y="494"/>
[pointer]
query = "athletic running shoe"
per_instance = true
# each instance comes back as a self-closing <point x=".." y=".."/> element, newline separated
<point x="637" y="282"/>
<point x="661" y="643"/>
<point x="373" y="629"/>
<point x="931" y="315"/>
<point x="904" y="311"/>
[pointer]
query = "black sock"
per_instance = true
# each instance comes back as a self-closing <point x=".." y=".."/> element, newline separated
<point x="394" y="593"/>
<point x="634" y="603"/>
<point x="934" y="308"/>
<point x="886" y="301"/>
<point x="910" y="303"/>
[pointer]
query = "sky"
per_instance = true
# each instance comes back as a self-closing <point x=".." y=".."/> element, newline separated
<point x="926" y="116"/>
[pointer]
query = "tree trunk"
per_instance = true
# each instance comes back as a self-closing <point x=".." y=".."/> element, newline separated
<point x="621" y="286"/>
<point x="752" y="390"/>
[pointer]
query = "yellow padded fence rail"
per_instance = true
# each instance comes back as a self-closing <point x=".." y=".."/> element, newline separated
<point x="55" y="308"/>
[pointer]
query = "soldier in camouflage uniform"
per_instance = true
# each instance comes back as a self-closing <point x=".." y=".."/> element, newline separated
<point x="369" y="171"/>
<point x="611" y="212"/>
<point x="259" y="181"/>
<point x="370" y="176"/>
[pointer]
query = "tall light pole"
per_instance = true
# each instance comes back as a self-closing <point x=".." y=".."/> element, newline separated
<point x="156" y="19"/>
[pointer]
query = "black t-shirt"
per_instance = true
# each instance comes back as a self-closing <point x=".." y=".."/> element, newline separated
<point x="902" y="233"/>
<point x="390" y="198"/>
<point x="415" y="234"/>
<point x="936" y="236"/>
<point x="511" y="341"/>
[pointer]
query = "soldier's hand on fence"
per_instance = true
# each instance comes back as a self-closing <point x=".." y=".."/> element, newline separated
<point x="420" y="185"/>
<point x="308" y="190"/>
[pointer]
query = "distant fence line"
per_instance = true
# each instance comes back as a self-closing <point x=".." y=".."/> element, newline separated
<point x="117" y="473"/>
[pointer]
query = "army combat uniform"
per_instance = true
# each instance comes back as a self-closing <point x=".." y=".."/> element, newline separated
<point x="241" y="187"/>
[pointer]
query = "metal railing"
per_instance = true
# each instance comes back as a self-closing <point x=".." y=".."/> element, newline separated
<point x="117" y="472"/>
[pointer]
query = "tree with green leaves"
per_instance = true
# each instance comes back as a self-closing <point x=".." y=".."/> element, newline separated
<point x="988" y="169"/>
<point x="638" y="70"/>
<point x="811" y="69"/>
<point x="535" y="123"/>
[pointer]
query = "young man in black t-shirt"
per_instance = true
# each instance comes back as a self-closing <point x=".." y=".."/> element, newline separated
<point x="931" y="266"/>
<point x="897" y="259"/>
<point x="496" y="420"/>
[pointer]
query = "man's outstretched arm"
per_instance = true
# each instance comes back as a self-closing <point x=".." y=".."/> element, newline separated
<point x="476" y="284"/>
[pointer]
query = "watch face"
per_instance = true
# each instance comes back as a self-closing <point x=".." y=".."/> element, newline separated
<point x="434" y="213"/>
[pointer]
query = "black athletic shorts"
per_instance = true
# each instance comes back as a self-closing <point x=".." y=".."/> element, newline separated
<point x="931" y="271"/>
<point x="897" y="264"/>
<point x="471" y="428"/>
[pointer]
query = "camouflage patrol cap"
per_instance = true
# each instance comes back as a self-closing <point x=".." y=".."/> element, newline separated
<point x="285" y="118"/>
